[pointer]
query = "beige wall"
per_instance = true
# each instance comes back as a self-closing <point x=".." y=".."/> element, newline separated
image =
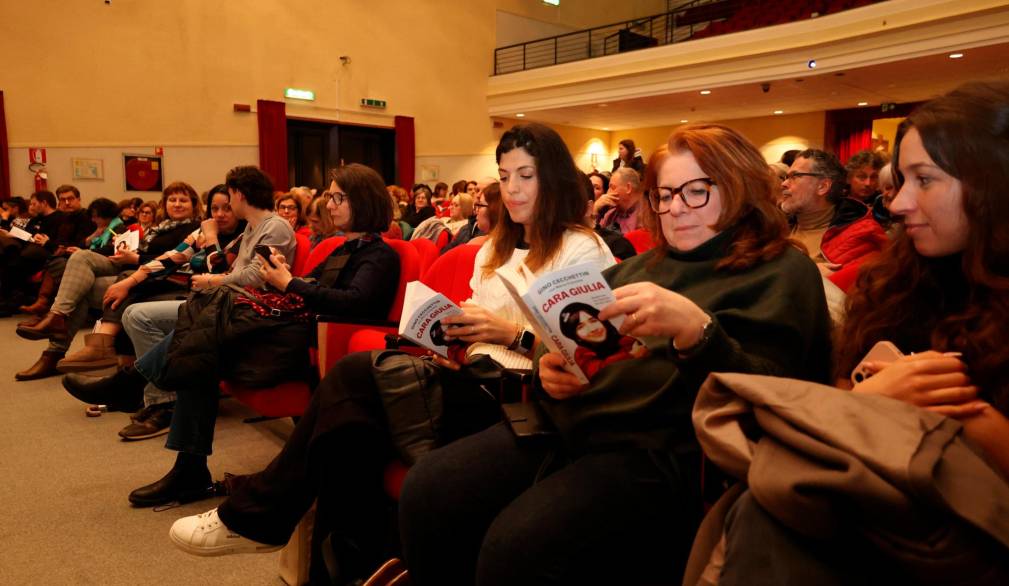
<point x="886" y="129"/>
<point x="134" y="75"/>
<point x="773" y="135"/>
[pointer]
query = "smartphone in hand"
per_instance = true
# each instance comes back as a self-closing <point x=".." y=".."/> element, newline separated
<point x="882" y="352"/>
<point x="264" y="251"/>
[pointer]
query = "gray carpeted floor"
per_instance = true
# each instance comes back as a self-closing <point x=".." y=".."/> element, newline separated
<point x="64" y="479"/>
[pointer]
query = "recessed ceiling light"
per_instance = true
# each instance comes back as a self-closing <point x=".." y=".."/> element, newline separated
<point x="863" y="103"/>
<point x="684" y="121"/>
<point x="520" y="115"/>
<point x="705" y="92"/>
<point x="779" y="111"/>
<point x="603" y="105"/>
<point x="955" y="55"/>
<point x="605" y="128"/>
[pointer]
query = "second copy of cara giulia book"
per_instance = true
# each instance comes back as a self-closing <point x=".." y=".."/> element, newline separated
<point x="563" y="307"/>
<point x="423" y="310"/>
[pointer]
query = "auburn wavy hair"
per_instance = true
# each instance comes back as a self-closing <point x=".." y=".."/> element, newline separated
<point x="560" y="202"/>
<point x="958" y="303"/>
<point x="747" y="194"/>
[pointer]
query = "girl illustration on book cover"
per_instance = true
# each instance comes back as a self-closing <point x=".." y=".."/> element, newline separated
<point x="599" y="343"/>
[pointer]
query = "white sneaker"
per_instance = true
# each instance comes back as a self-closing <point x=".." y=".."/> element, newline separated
<point x="206" y="535"/>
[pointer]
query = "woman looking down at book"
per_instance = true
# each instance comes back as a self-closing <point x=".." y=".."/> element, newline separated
<point x="615" y="496"/>
<point x="362" y="416"/>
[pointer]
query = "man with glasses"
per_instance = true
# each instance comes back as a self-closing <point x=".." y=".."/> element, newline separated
<point x="838" y="231"/>
<point x="77" y="224"/>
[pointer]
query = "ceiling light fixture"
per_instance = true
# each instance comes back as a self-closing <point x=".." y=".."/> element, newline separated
<point x="684" y="121"/>
<point x="863" y="103"/>
<point x="520" y="115"/>
<point x="956" y="55"/>
<point x="705" y="92"/>
<point x="779" y="111"/>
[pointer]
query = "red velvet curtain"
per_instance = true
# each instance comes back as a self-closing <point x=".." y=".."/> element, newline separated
<point x="272" y="117"/>
<point x="5" y="163"/>
<point x="405" y="152"/>
<point x="853" y="138"/>
<point x="850" y="131"/>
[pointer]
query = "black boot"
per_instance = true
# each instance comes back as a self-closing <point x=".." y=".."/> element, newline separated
<point x="122" y="391"/>
<point x="189" y="480"/>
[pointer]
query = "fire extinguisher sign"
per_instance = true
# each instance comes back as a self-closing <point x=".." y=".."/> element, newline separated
<point x="37" y="155"/>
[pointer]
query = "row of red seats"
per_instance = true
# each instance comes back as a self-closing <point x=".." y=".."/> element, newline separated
<point x="771" y="12"/>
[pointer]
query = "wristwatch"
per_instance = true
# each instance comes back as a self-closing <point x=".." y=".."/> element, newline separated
<point x="706" y="332"/>
<point x="523" y="342"/>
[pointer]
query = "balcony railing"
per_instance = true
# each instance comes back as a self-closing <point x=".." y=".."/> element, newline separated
<point x="700" y="18"/>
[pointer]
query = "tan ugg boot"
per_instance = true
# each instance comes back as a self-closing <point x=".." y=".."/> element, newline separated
<point x="98" y="352"/>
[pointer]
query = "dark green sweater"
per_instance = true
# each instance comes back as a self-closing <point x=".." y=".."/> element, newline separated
<point x="769" y="319"/>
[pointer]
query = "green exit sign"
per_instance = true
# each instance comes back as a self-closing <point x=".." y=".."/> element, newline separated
<point x="298" y="94"/>
<point x="370" y="103"/>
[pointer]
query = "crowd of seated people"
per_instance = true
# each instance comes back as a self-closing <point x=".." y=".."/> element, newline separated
<point x="615" y="488"/>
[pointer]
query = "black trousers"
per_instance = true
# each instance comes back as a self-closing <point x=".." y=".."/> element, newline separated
<point x="20" y="261"/>
<point x="487" y="510"/>
<point x="341" y="465"/>
<point x="336" y="456"/>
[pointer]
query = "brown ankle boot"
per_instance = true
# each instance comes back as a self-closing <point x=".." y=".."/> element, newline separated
<point x="45" y="366"/>
<point x="45" y="298"/>
<point x="98" y="352"/>
<point x="31" y="322"/>
<point x="53" y="325"/>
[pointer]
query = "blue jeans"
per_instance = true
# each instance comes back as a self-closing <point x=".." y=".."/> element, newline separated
<point x="147" y="324"/>
<point x="195" y="414"/>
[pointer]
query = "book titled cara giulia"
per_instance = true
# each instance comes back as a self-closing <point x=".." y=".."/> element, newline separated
<point x="423" y="310"/>
<point x="563" y="308"/>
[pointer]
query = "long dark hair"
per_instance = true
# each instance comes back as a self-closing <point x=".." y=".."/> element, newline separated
<point x="560" y="203"/>
<point x="631" y="149"/>
<point x="571" y="317"/>
<point x="958" y="303"/>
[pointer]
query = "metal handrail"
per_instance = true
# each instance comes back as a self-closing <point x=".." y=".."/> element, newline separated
<point x="517" y="57"/>
<point x="677" y="25"/>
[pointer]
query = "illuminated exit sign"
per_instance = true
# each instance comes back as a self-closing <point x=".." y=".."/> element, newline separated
<point x="298" y="94"/>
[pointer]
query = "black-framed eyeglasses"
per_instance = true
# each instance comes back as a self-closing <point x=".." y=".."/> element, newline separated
<point x="338" y="197"/>
<point x="480" y="206"/>
<point x="694" y="194"/>
<point x="791" y="175"/>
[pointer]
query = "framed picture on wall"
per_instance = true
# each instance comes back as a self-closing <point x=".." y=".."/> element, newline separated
<point x="88" y="168"/>
<point x="142" y="172"/>
<point x="429" y="172"/>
